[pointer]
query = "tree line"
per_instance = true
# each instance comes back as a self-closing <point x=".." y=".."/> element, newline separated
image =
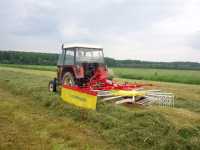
<point x="29" y="58"/>
<point x="33" y="58"/>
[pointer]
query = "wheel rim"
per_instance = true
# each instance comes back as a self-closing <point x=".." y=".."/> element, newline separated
<point x="68" y="81"/>
<point x="51" y="87"/>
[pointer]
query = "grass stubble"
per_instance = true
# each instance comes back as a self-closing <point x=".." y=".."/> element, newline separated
<point x="120" y="127"/>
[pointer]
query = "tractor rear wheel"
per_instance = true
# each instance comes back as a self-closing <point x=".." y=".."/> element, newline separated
<point x="68" y="79"/>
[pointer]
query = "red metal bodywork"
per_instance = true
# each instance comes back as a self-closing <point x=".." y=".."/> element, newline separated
<point x="78" y="71"/>
<point x="100" y="81"/>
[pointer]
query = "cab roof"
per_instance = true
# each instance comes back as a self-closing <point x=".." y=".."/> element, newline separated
<point x="78" y="45"/>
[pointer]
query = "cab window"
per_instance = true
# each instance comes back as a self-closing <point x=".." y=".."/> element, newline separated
<point x="69" y="57"/>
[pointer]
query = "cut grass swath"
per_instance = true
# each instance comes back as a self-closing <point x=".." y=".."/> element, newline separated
<point x="124" y="127"/>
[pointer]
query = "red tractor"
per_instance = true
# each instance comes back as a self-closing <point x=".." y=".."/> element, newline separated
<point x="79" y="65"/>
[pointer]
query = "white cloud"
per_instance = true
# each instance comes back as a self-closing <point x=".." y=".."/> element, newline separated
<point x="166" y="30"/>
<point x="183" y="23"/>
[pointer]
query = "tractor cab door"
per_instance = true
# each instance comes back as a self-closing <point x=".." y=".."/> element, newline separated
<point x="60" y="66"/>
<point x="66" y="59"/>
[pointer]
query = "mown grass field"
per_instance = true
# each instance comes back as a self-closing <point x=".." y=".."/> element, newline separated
<point x="33" y="118"/>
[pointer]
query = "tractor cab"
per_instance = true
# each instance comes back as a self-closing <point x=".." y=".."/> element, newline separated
<point x="77" y="64"/>
<point x="77" y="54"/>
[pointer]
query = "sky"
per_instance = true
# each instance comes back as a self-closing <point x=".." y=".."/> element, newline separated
<point x="153" y="30"/>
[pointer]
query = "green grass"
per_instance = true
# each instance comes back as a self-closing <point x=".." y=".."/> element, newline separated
<point x="31" y="67"/>
<point x="166" y="75"/>
<point x="25" y="125"/>
<point x="178" y="76"/>
<point x="124" y="128"/>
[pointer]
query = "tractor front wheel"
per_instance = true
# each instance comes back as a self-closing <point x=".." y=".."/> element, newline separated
<point x="68" y="79"/>
<point x="52" y="86"/>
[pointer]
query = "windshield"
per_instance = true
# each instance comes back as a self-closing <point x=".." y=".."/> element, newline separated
<point x="89" y="55"/>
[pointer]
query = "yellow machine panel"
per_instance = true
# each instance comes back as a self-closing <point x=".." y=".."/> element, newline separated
<point x="79" y="98"/>
<point x="128" y="93"/>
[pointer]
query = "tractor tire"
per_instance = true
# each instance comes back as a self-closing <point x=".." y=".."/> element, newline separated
<point x="52" y="87"/>
<point x="68" y="79"/>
